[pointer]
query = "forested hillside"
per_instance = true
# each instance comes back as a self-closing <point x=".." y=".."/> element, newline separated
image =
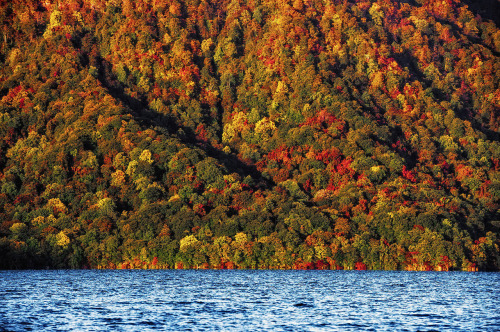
<point x="306" y="134"/>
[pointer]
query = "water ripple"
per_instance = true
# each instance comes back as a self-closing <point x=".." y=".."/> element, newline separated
<point x="248" y="301"/>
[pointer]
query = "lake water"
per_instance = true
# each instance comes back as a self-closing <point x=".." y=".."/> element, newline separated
<point x="232" y="300"/>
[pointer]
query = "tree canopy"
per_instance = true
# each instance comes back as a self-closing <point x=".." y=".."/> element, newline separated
<point x="249" y="134"/>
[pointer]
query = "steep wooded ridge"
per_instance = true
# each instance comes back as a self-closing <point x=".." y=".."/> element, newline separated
<point x="250" y="134"/>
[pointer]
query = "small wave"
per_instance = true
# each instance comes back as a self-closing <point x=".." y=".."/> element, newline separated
<point x="430" y="316"/>
<point x="113" y="320"/>
<point x="357" y="326"/>
<point x="184" y="303"/>
<point x="303" y="305"/>
<point x="148" y="323"/>
<point x="228" y="311"/>
<point x="493" y="326"/>
<point x="421" y="315"/>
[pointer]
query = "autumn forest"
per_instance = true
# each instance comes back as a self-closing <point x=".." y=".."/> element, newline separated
<point x="257" y="134"/>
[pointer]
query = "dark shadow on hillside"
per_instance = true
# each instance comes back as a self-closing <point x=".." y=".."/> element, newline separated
<point x="487" y="9"/>
<point x="406" y="59"/>
<point x="472" y="39"/>
<point x="169" y="125"/>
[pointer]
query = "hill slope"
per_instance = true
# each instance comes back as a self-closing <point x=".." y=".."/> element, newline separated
<point x="249" y="134"/>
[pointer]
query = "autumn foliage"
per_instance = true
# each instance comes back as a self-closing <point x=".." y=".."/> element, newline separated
<point x="249" y="134"/>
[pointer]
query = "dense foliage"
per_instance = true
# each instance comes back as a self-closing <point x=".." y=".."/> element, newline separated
<point x="249" y="134"/>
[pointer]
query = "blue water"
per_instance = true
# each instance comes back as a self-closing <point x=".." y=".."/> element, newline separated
<point x="248" y="301"/>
